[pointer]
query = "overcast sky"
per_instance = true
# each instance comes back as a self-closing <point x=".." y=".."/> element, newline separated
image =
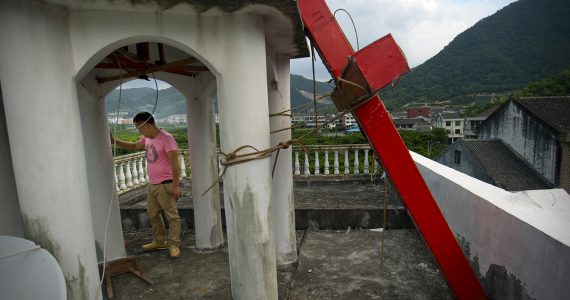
<point x="421" y="27"/>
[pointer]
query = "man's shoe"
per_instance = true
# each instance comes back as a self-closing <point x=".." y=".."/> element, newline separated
<point x="174" y="251"/>
<point x="154" y="246"/>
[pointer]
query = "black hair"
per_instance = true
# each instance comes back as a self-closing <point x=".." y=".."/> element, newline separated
<point x="143" y="117"/>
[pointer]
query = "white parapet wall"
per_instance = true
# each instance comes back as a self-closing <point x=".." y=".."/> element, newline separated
<point x="518" y="243"/>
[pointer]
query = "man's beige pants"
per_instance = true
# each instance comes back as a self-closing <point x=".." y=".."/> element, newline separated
<point x="160" y="197"/>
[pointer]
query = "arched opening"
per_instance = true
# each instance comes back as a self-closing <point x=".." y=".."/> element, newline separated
<point x="153" y="62"/>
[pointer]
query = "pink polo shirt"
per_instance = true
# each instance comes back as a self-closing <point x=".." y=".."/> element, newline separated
<point x="158" y="164"/>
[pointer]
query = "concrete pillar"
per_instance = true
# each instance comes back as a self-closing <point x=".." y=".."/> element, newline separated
<point x="244" y="120"/>
<point x="46" y="141"/>
<point x="10" y="217"/>
<point x="282" y="188"/>
<point x="103" y="197"/>
<point x="204" y="163"/>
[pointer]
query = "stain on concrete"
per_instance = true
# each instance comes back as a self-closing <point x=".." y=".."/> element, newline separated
<point x="497" y="283"/>
<point x="36" y="229"/>
<point x="246" y="229"/>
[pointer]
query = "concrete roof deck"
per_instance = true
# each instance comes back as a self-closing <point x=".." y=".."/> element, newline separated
<point x="333" y="264"/>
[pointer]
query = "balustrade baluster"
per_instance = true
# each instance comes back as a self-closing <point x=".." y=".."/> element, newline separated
<point x="116" y="180"/>
<point x="366" y="163"/>
<point x="141" y="170"/>
<point x="122" y="184"/>
<point x="307" y="171"/>
<point x="317" y="165"/>
<point x="356" y="164"/>
<point x="346" y="163"/>
<point x="135" y="173"/>
<point x="376" y="166"/>
<point x="297" y="166"/>
<point x="128" y="175"/>
<point x="182" y="166"/>
<point x="335" y="164"/>
<point x="327" y="171"/>
<point x="146" y="169"/>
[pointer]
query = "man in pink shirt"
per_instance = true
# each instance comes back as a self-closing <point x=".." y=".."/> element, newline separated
<point x="164" y="188"/>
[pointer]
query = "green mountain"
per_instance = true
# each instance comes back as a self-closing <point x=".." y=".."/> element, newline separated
<point x="526" y="41"/>
<point x="171" y="102"/>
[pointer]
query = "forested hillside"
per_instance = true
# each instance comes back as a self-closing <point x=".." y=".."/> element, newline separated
<point x="171" y="102"/>
<point x="526" y="41"/>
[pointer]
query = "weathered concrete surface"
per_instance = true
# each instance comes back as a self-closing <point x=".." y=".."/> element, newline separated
<point x="318" y="205"/>
<point x="343" y="266"/>
<point x="340" y="265"/>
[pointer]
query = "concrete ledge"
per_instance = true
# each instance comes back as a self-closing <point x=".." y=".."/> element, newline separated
<point x="518" y="243"/>
<point x="337" y="219"/>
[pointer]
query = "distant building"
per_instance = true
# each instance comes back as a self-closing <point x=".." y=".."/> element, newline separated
<point x="413" y="124"/>
<point x="451" y="122"/>
<point x="308" y="120"/>
<point x="494" y="162"/>
<point x="349" y="121"/>
<point x="472" y="124"/>
<point x="121" y="119"/>
<point x="399" y="115"/>
<point x="538" y="129"/>
<point x="177" y="119"/>
<point x="414" y="112"/>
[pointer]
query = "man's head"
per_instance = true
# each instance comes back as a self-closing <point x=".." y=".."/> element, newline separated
<point x="144" y="122"/>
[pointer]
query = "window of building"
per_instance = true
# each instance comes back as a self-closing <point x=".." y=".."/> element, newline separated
<point x="457" y="131"/>
<point x="447" y="123"/>
<point x="448" y="131"/>
<point x="457" y="157"/>
<point x="457" y="123"/>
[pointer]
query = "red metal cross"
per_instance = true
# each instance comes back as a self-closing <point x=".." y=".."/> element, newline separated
<point x="360" y="76"/>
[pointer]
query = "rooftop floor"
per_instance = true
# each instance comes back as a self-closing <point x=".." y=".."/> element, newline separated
<point x="333" y="264"/>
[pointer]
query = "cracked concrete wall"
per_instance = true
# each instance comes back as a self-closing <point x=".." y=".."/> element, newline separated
<point x="518" y="243"/>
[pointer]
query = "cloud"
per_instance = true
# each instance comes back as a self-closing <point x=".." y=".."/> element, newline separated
<point x="421" y="27"/>
<point x="140" y="83"/>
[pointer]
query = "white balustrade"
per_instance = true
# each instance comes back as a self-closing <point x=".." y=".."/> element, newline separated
<point x="122" y="184"/>
<point x="128" y="175"/>
<point x="141" y="170"/>
<point x="356" y="164"/>
<point x="307" y="171"/>
<point x="135" y="173"/>
<point x="317" y="165"/>
<point x="327" y="171"/>
<point x="182" y="166"/>
<point x="335" y="163"/>
<point x="131" y="171"/>
<point x="366" y="163"/>
<point x="346" y="163"/>
<point x="297" y="166"/>
<point x="116" y="180"/>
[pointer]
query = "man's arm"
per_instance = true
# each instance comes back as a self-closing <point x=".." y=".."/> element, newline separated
<point x="131" y="146"/>
<point x="173" y="157"/>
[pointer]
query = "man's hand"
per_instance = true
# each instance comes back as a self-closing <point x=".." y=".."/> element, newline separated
<point x="176" y="192"/>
